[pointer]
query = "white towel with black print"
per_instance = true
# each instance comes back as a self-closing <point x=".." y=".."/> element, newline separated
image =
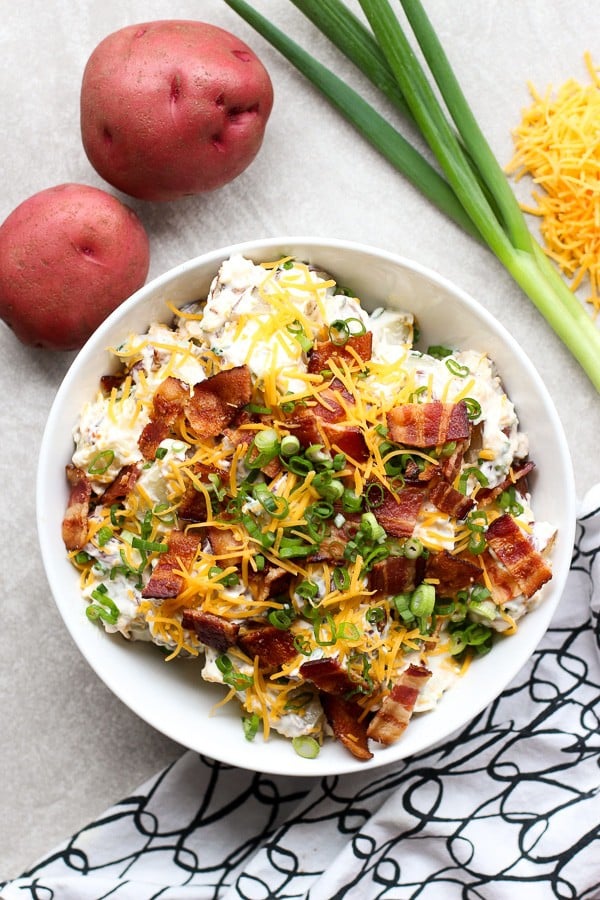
<point x="508" y="808"/>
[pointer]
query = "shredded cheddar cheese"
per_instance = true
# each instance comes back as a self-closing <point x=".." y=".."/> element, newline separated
<point x="558" y="144"/>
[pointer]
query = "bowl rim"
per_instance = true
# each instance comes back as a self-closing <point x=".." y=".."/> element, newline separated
<point x="294" y="765"/>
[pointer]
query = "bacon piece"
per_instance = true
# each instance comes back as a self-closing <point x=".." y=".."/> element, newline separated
<point x="108" y="382"/>
<point x="516" y="552"/>
<point x="393" y="575"/>
<point x="165" y="580"/>
<point x="75" y="520"/>
<point x="519" y="470"/>
<point x="399" y="516"/>
<point x="215" y="402"/>
<point x="450" y="465"/>
<point x="214" y="631"/>
<point x="450" y="501"/>
<point x="453" y="573"/>
<point x="428" y="424"/>
<point x="347" y="439"/>
<point x="273" y="646"/>
<point x="270" y="583"/>
<point x="328" y="676"/>
<point x="168" y="405"/>
<point x="331" y="549"/>
<point x="323" y="351"/>
<point x="122" y="485"/>
<point x="225" y="544"/>
<point x="395" y="712"/>
<point x="503" y="586"/>
<point x="344" y="718"/>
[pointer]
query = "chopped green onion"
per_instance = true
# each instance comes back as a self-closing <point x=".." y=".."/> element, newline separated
<point x="82" y="558"/>
<point x="258" y="410"/>
<point x="371" y="528"/>
<point x="341" y="578"/>
<point x="302" y="645"/>
<point x="422" y="601"/>
<point x="339" y="332"/>
<point x="375" y="615"/>
<point x="351" y="502"/>
<point x="259" y="562"/>
<point x="474" y="473"/>
<point x="412" y="548"/>
<point x="374" y="495"/>
<point x="299" y="465"/>
<point x="263" y="449"/>
<point x="277" y="507"/>
<point x="308" y="590"/>
<point x="509" y="503"/>
<point x="289" y="445"/>
<point x="161" y="452"/>
<point x="327" y="487"/>
<point x="298" y="333"/>
<point x="338" y="462"/>
<point x="250" y="724"/>
<point x="104" y="535"/>
<point x="324" y="630"/>
<point x="306" y="746"/>
<point x="348" y="631"/>
<point x="101" y="462"/>
<point x="281" y="618"/>
<point x="455" y="368"/>
<point x="438" y="351"/>
<point x="117" y="521"/>
<point x="317" y="454"/>
<point x="473" y="408"/>
<point x="149" y="546"/>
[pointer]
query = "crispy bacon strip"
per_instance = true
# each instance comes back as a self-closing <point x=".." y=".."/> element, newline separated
<point x="503" y="586"/>
<point x="323" y="351"/>
<point x="225" y="545"/>
<point x="453" y="573"/>
<point x="165" y="580"/>
<point x="428" y="424"/>
<point x="519" y="470"/>
<point x="122" y="485"/>
<point x="344" y="718"/>
<point x="450" y="465"/>
<point x="273" y="581"/>
<point x="450" y="501"/>
<point x="515" y="551"/>
<point x="214" y="631"/>
<point x="399" y="516"/>
<point x="395" y="712"/>
<point x="108" y="382"/>
<point x="75" y="520"/>
<point x="328" y="676"/>
<point x="168" y="405"/>
<point x="273" y="646"/>
<point x="393" y="575"/>
<point x="215" y="402"/>
<point x="348" y="439"/>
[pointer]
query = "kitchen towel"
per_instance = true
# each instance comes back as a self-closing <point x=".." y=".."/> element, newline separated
<point x="508" y="807"/>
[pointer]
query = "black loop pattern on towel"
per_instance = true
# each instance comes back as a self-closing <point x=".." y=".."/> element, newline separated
<point x="508" y="807"/>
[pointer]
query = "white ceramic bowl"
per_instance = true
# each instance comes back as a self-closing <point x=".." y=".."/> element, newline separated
<point x="171" y="696"/>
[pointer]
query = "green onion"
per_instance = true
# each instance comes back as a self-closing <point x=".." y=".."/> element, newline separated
<point x="422" y="601"/>
<point x="149" y="546"/>
<point x="82" y="558"/>
<point x="412" y="548"/>
<point x="438" y="351"/>
<point x="263" y="449"/>
<point x="351" y="502"/>
<point x="289" y="445"/>
<point x="341" y="578"/>
<point x="473" y="408"/>
<point x="281" y="618"/>
<point x="509" y="503"/>
<point x="306" y="746"/>
<point x="161" y="452"/>
<point x="371" y="528"/>
<point x="472" y="471"/>
<point x="298" y="333"/>
<point x="277" y="507"/>
<point x="324" y="630"/>
<point x="104" y="535"/>
<point x="348" y="631"/>
<point x="308" y="590"/>
<point x="375" y="615"/>
<point x="101" y="462"/>
<point x="302" y="645"/>
<point x="258" y="410"/>
<point x="374" y="495"/>
<point x="317" y="454"/>
<point x="473" y="189"/>
<point x="117" y="521"/>
<point x="250" y="724"/>
<point x="299" y="465"/>
<point x="455" y="368"/>
<point x="339" y="333"/>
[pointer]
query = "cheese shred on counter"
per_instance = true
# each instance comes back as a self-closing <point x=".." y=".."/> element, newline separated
<point x="558" y="144"/>
<point x="280" y="487"/>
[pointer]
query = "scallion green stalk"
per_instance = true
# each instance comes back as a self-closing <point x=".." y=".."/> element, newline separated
<point x="473" y="190"/>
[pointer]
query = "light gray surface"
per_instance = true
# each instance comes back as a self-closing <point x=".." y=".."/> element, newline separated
<point x="68" y="748"/>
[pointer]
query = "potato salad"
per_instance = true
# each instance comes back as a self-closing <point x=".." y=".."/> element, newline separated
<point x="285" y="490"/>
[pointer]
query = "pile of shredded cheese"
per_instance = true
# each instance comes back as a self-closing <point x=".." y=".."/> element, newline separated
<point x="558" y="145"/>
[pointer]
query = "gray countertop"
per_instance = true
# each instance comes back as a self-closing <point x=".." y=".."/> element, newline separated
<point x="68" y="747"/>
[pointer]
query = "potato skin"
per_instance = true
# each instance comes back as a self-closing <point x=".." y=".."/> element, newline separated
<point x="69" y="255"/>
<point x="172" y="108"/>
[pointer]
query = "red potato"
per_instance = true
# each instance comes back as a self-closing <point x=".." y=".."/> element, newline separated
<point x="173" y="108"/>
<point x="68" y="256"/>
